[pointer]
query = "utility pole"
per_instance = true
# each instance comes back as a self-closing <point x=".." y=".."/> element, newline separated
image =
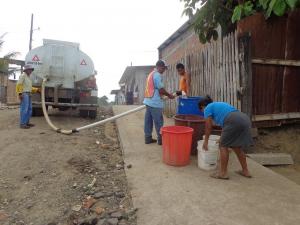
<point x="31" y="31"/>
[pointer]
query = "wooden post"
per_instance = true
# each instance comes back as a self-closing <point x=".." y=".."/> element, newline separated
<point x="245" y="73"/>
<point x="31" y="31"/>
<point x="237" y="75"/>
<point x="234" y="91"/>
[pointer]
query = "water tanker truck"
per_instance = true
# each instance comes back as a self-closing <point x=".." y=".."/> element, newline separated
<point x="70" y="75"/>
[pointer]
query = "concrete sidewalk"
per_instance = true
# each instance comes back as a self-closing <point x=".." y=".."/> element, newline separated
<point x="166" y="195"/>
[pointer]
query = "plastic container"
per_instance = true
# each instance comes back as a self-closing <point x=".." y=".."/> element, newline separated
<point x="213" y="137"/>
<point x="176" y="143"/>
<point x="195" y="122"/>
<point x="189" y="106"/>
<point x="207" y="160"/>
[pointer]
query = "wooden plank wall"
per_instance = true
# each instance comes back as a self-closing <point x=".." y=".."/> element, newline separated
<point x="171" y="81"/>
<point x="214" y="70"/>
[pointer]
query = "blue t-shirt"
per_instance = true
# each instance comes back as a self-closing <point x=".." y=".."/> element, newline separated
<point x="156" y="101"/>
<point x="218" y="111"/>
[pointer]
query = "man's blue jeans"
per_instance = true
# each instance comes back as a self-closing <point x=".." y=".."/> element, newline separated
<point x="153" y="115"/>
<point x="25" y="109"/>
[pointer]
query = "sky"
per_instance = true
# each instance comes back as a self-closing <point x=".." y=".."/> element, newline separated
<point x="113" y="33"/>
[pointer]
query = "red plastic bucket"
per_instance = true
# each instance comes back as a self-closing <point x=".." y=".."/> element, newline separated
<point x="176" y="143"/>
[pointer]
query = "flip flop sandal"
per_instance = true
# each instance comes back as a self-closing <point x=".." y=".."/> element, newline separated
<point x="242" y="174"/>
<point x="217" y="176"/>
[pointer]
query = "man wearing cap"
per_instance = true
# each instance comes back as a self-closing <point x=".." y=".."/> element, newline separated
<point x="24" y="89"/>
<point x="154" y="104"/>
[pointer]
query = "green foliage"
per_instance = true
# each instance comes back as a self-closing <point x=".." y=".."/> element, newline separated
<point x="268" y="7"/>
<point x="242" y="10"/>
<point x="277" y="7"/>
<point x="264" y="3"/>
<point x="209" y="14"/>
<point x="292" y="3"/>
<point x="103" y="101"/>
<point x="4" y="61"/>
<point x="280" y="7"/>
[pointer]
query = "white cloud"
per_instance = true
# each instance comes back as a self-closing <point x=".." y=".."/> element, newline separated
<point x="112" y="33"/>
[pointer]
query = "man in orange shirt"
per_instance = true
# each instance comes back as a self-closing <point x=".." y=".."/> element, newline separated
<point x="184" y="83"/>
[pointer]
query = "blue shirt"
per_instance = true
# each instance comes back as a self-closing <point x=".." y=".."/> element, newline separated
<point x="218" y="111"/>
<point x="156" y="101"/>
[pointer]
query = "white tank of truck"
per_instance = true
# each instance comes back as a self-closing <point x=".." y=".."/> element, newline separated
<point x="71" y="77"/>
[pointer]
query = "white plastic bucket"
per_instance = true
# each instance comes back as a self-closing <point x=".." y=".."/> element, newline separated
<point x="207" y="160"/>
<point x="213" y="137"/>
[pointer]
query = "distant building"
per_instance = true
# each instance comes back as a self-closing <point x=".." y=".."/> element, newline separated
<point x="119" y="97"/>
<point x="8" y="82"/>
<point x="8" y="93"/>
<point x="133" y="83"/>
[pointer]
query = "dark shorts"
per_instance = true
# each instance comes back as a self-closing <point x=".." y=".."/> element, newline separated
<point x="236" y="131"/>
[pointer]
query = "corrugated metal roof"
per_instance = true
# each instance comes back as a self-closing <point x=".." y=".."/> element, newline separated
<point x="130" y="70"/>
<point x="114" y="92"/>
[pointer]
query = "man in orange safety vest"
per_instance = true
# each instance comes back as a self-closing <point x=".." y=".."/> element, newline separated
<point x="154" y="92"/>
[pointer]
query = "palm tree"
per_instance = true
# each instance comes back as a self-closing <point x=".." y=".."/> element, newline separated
<point x="4" y="62"/>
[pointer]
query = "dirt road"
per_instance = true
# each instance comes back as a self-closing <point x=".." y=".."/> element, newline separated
<point x="49" y="178"/>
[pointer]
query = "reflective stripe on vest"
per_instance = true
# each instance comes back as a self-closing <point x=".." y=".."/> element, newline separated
<point x="149" y="90"/>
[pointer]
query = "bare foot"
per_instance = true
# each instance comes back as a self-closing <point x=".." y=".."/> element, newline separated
<point x="218" y="176"/>
<point x="244" y="174"/>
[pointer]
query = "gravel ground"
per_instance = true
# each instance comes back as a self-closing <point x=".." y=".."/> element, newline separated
<point x="48" y="178"/>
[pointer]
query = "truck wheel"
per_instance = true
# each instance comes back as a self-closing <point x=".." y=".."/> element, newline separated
<point x="83" y="113"/>
<point x="92" y="114"/>
<point x="63" y="108"/>
<point x="37" y="112"/>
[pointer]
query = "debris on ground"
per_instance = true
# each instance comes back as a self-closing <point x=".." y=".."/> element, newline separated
<point x="129" y="166"/>
<point x="272" y="158"/>
<point x="3" y="216"/>
<point x="88" y="202"/>
<point x="92" y="183"/>
<point x="105" y="146"/>
<point x="76" y="180"/>
<point x="76" y="208"/>
<point x="98" y="210"/>
<point x="284" y="139"/>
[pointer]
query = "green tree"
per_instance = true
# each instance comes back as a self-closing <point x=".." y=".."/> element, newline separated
<point x="209" y="14"/>
<point x="103" y="100"/>
<point x="4" y="61"/>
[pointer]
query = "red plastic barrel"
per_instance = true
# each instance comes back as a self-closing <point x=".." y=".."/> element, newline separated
<point x="176" y="143"/>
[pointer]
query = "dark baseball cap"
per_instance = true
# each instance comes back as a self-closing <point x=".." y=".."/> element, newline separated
<point x="161" y="63"/>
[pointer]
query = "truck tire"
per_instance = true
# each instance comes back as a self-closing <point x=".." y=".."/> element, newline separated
<point x="83" y="113"/>
<point x="92" y="114"/>
<point x="63" y="108"/>
<point x="37" y="112"/>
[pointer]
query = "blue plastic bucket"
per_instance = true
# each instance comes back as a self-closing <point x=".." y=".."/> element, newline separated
<point x="189" y="105"/>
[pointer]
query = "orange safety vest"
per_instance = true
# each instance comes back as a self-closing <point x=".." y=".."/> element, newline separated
<point x="149" y="90"/>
